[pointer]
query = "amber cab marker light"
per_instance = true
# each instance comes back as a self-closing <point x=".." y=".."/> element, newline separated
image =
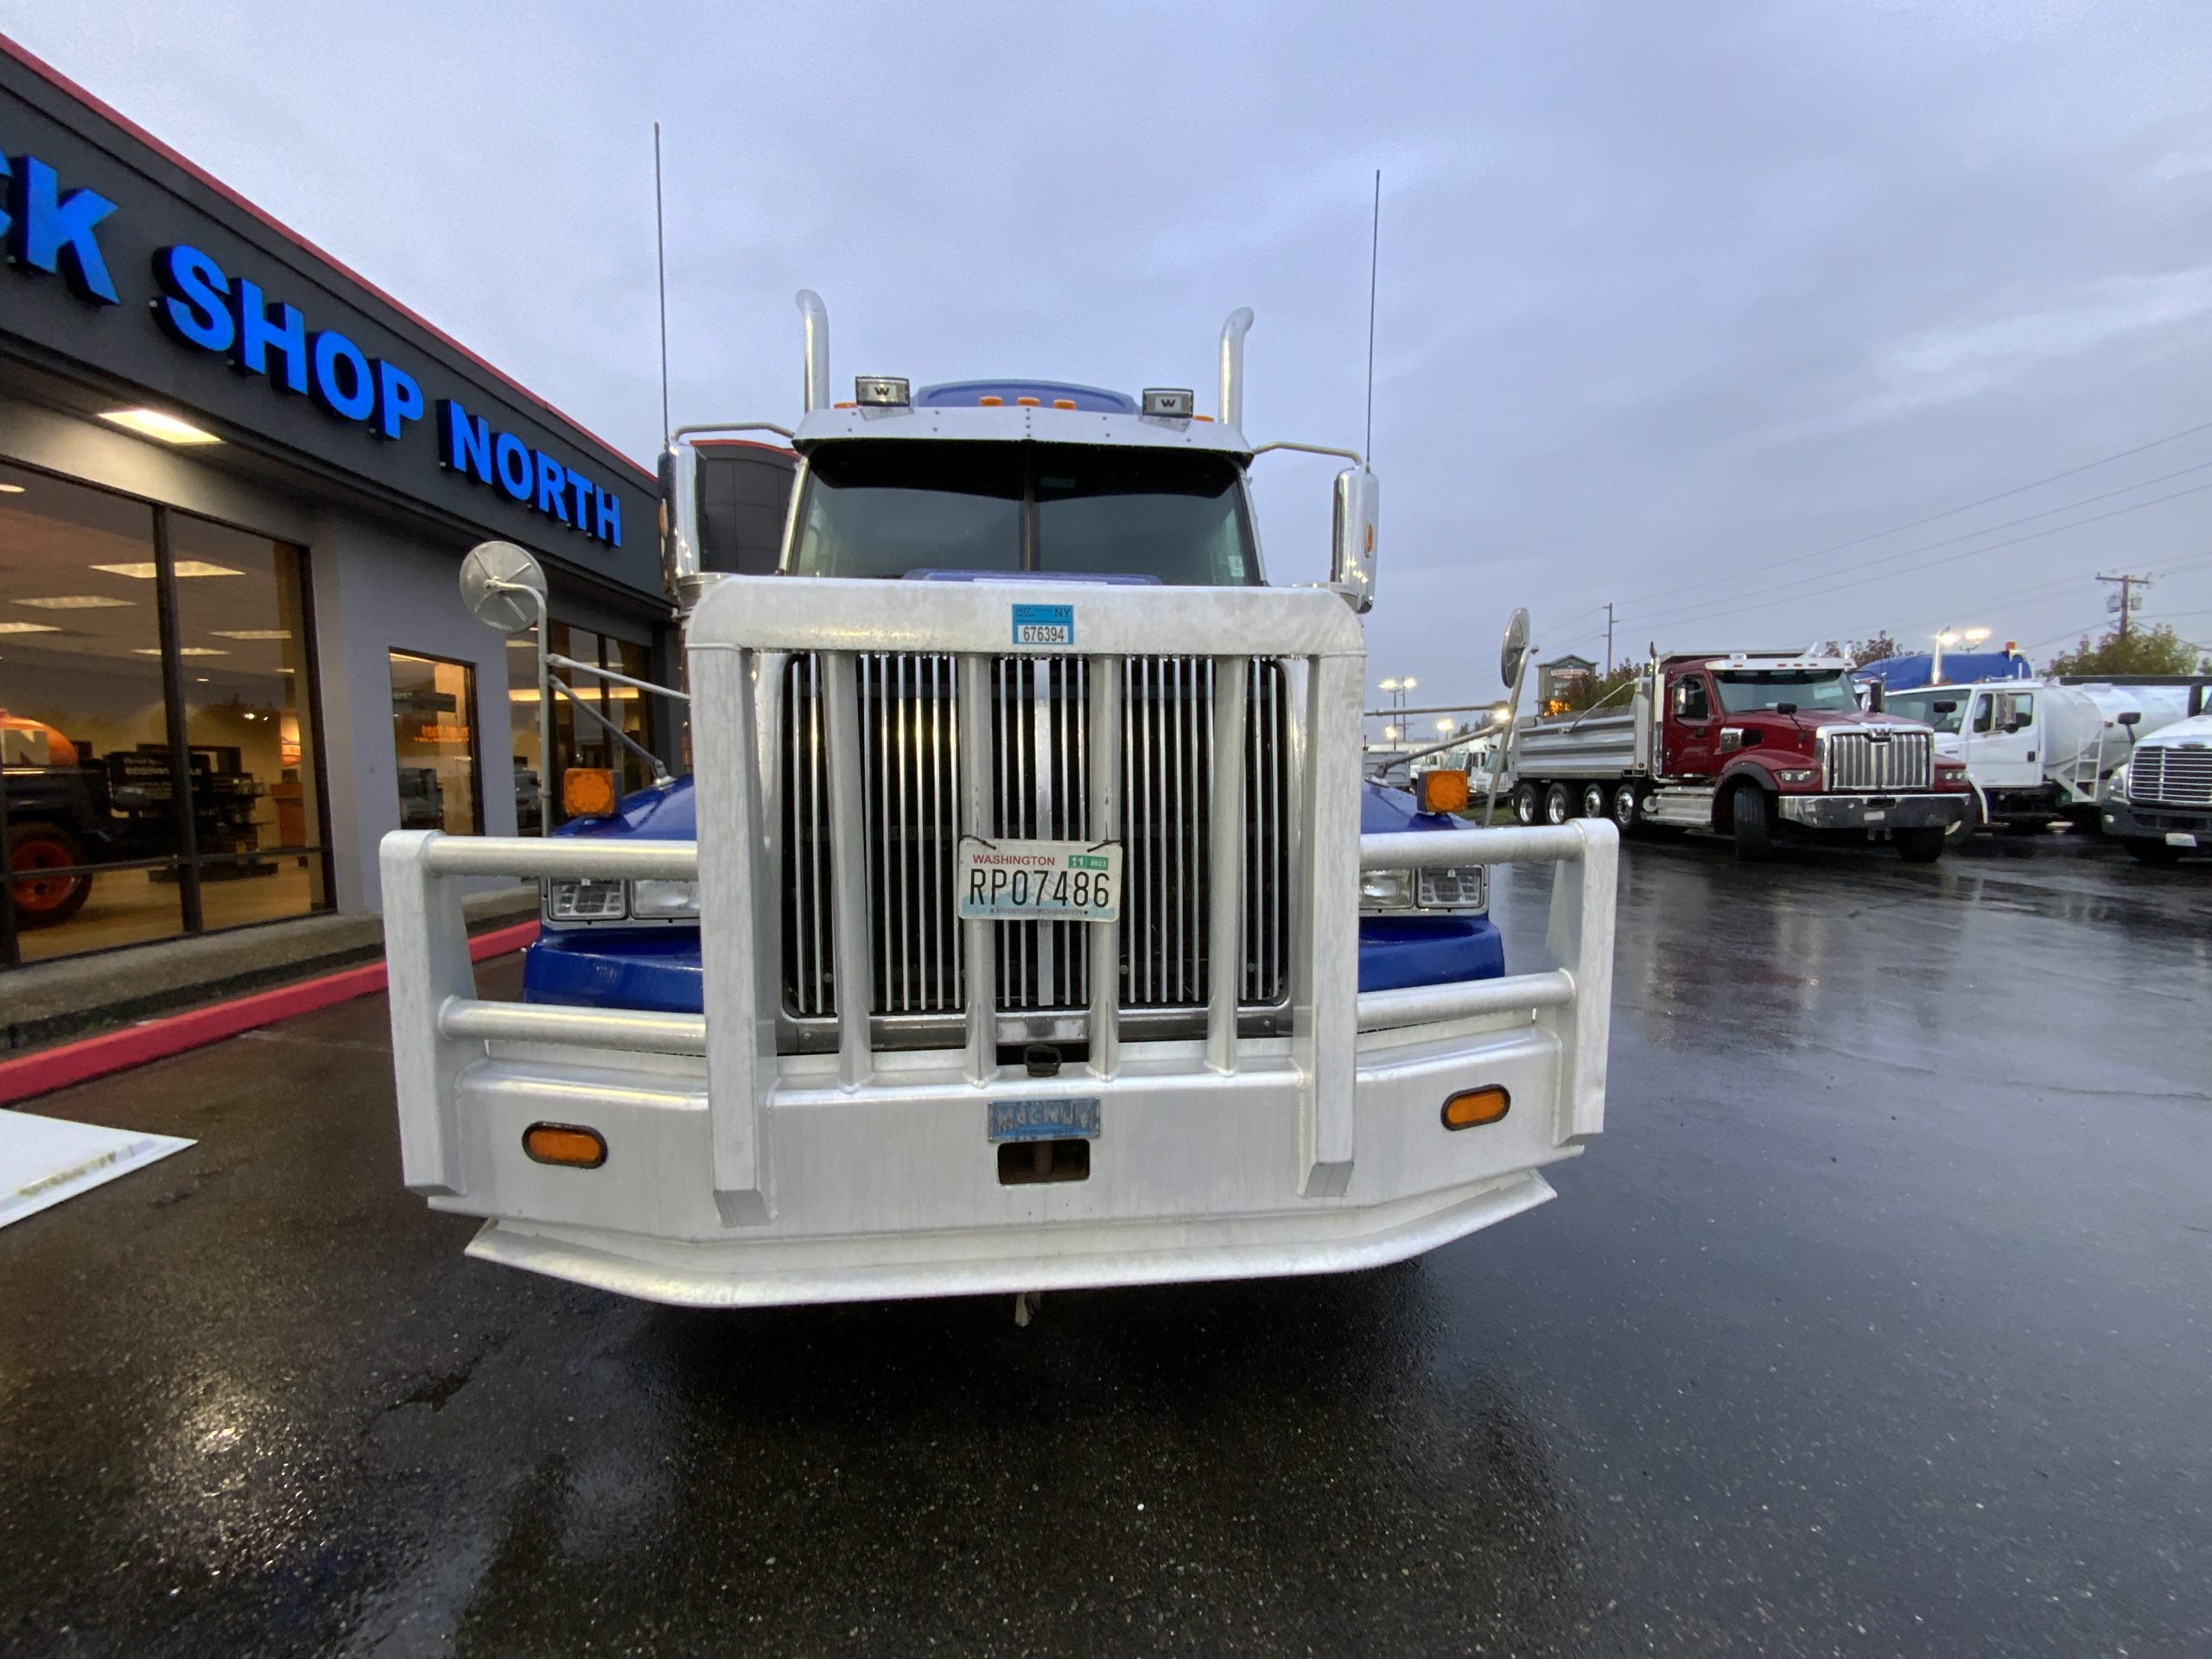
<point x="1443" y="792"/>
<point x="565" y="1144"/>
<point x="587" y="792"/>
<point x="1472" y="1107"/>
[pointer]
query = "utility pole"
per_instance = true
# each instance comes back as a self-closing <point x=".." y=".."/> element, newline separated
<point x="2127" y="600"/>
<point x="1609" y="638"/>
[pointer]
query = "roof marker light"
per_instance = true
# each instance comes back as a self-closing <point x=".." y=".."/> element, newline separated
<point x="990" y="403"/>
<point x="1062" y="402"/>
<point x="881" y="392"/>
<point x="1169" y="403"/>
<point x="1026" y="402"/>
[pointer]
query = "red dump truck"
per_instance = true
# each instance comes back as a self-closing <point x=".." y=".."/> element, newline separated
<point x="1755" y="744"/>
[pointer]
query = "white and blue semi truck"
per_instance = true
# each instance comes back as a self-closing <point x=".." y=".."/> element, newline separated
<point x="1025" y="922"/>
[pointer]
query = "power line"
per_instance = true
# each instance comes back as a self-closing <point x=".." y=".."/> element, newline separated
<point x="1948" y="512"/>
<point x="1971" y="535"/>
<point x="1735" y="604"/>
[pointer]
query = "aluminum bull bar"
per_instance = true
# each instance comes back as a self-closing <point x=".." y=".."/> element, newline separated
<point x="741" y="635"/>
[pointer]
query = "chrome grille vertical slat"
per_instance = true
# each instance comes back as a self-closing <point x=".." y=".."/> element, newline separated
<point x="1036" y="781"/>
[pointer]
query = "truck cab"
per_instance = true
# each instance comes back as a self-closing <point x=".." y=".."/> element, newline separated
<point x="1757" y="745"/>
<point x="2160" y="802"/>
<point x="1025" y="922"/>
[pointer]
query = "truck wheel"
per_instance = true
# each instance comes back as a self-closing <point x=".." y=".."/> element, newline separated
<point x="45" y="900"/>
<point x="1754" y="819"/>
<point x="1628" y="804"/>
<point x="1921" y="845"/>
<point x="1593" y="800"/>
<point x="1528" y="803"/>
<point x="1558" y="806"/>
<point x="2154" y="853"/>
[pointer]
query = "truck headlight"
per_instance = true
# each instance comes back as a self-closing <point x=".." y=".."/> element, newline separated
<point x="1385" y="889"/>
<point x="1798" y="775"/>
<point x="1463" y="887"/>
<point x="582" y="899"/>
<point x="657" y="900"/>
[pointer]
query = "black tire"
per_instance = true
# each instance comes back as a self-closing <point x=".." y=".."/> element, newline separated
<point x="1921" y="845"/>
<point x="1628" y="807"/>
<point x="1528" y="803"/>
<point x="1754" y="820"/>
<point x="2156" y="853"/>
<point x="1559" y="805"/>
<point x="1593" y="801"/>
<point x="52" y="901"/>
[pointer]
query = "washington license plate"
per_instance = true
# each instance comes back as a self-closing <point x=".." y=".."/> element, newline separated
<point x="1039" y="881"/>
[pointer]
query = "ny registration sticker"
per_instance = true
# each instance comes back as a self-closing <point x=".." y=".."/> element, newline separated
<point x="1039" y="881"/>
<point x="1044" y="625"/>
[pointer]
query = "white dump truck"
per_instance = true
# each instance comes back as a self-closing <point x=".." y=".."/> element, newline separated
<point x="1028" y="923"/>
<point x="2036" y="750"/>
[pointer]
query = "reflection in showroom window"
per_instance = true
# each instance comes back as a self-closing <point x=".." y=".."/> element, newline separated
<point x="93" y="828"/>
<point x="103" y="848"/>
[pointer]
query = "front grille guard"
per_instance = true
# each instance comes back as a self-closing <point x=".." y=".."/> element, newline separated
<point x="740" y="637"/>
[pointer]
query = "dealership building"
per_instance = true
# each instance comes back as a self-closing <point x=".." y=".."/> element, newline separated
<point x="236" y="484"/>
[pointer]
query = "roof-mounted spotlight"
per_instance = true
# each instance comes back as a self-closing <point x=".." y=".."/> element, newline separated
<point x="1169" y="403"/>
<point x="881" y="392"/>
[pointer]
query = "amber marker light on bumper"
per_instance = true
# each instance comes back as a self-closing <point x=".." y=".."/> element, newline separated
<point x="1472" y="1107"/>
<point x="566" y="1144"/>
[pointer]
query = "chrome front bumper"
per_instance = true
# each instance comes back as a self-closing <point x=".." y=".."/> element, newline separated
<point x="1221" y="1156"/>
<point x="1873" y="811"/>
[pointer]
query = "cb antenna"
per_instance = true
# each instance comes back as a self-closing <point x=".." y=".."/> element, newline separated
<point x="660" y="255"/>
<point x="1374" y="266"/>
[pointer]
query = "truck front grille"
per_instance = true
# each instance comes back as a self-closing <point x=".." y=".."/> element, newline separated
<point x="1875" y="762"/>
<point x="2160" y="776"/>
<point x="1039" y="770"/>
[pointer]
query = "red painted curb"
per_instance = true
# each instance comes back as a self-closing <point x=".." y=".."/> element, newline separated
<point x="157" y="1040"/>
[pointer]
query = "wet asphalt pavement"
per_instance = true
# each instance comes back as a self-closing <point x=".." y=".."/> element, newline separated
<point x="1876" y="1324"/>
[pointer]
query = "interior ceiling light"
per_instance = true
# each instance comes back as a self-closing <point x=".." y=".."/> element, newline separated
<point x="28" y="627"/>
<point x="77" y="602"/>
<point x="11" y="489"/>
<point x="251" y="634"/>
<point x="152" y="423"/>
<point x="147" y="571"/>
<point x="181" y="651"/>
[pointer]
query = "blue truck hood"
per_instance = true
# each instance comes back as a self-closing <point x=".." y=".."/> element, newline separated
<point x="666" y="813"/>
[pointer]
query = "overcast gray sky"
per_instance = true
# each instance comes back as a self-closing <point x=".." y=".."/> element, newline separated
<point x="1673" y="296"/>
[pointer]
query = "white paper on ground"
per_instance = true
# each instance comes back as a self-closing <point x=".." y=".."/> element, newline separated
<point x="45" y="1159"/>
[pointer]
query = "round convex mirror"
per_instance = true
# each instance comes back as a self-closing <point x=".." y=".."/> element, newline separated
<point x="489" y="577"/>
<point x="1516" y="647"/>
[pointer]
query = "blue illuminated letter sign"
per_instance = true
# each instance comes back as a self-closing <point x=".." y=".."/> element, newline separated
<point x="199" y="305"/>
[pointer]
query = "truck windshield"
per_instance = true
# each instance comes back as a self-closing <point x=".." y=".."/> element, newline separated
<point x="1941" y="710"/>
<point x="884" y="509"/>
<point x="1742" y="692"/>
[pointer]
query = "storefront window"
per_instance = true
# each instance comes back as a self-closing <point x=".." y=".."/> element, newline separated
<point x="522" y="721"/>
<point x="92" y="830"/>
<point x="101" y="850"/>
<point x="256" y="813"/>
<point x="434" y="740"/>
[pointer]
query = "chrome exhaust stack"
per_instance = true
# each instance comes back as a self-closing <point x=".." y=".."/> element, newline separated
<point x="1232" y="366"/>
<point x="817" y="349"/>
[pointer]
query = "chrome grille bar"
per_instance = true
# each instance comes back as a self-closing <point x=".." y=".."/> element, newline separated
<point x="1047" y="755"/>
<point x="1227" y="857"/>
<point x="1875" y="762"/>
